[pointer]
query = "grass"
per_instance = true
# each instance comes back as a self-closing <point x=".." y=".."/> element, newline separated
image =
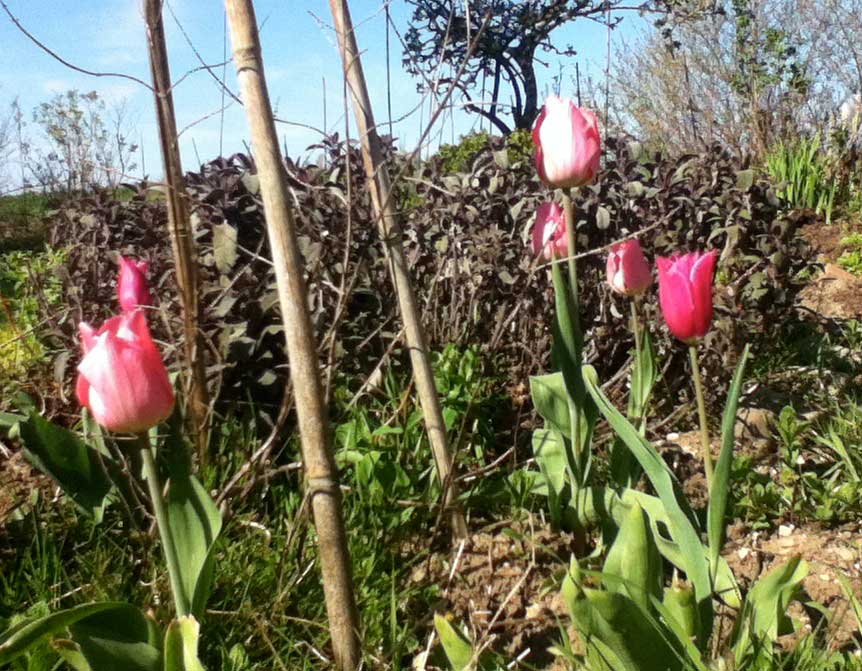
<point x="268" y="600"/>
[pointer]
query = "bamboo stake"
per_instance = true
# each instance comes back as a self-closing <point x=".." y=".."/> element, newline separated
<point x="182" y="240"/>
<point x="390" y="230"/>
<point x="320" y="471"/>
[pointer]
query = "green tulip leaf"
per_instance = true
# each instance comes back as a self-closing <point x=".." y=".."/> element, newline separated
<point x="63" y="456"/>
<point x="621" y="636"/>
<point x="679" y="515"/>
<point x="635" y="560"/>
<point x="458" y="648"/>
<point x="181" y="645"/>
<point x="121" y="638"/>
<point x="194" y="521"/>
<point x="549" y="450"/>
<point x="18" y="638"/>
<point x="764" y="616"/>
<point x="552" y="401"/>
<point x="721" y="478"/>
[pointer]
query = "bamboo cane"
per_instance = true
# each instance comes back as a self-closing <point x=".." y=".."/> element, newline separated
<point x="182" y="241"/>
<point x="318" y="459"/>
<point x="390" y="230"/>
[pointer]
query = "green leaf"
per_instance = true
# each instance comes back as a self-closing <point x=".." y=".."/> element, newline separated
<point x="195" y="523"/>
<point x="635" y="559"/>
<point x="568" y="340"/>
<point x="718" y="493"/>
<point x="679" y="514"/>
<point x="15" y="640"/>
<point x="680" y="606"/>
<point x="623" y="636"/>
<point x="644" y="375"/>
<point x="122" y="638"/>
<point x="601" y="504"/>
<point x="458" y="648"/>
<point x="62" y="455"/>
<point x="764" y="615"/>
<point x="181" y="645"/>
<point x="193" y="519"/>
<point x="552" y="401"/>
<point x="549" y="450"/>
<point x="744" y="179"/>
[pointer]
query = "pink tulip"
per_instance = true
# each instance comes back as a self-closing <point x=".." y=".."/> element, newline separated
<point x="567" y="143"/>
<point x="132" y="286"/>
<point x="122" y="379"/>
<point x="685" y="293"/>
<point x="628" y="270"/>
<point x="549" y="231"/>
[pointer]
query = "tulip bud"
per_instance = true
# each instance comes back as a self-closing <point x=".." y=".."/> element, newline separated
<point x="122" y="379"/>
<point x="685" y="293"/>
<point x="567" y="143"/>
<point x="628" y="271"/>
<point x="132" y="288"/>
<point x="549" y="231"/>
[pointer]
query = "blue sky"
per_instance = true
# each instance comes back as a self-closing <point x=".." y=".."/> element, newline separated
<point x="299" y="53"/>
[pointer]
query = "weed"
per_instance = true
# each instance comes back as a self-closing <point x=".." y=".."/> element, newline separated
<point x="851" y="259"/>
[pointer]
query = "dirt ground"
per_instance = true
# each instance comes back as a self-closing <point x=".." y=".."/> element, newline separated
<point x="834" y="293"/>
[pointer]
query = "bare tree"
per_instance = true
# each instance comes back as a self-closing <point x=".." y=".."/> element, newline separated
<point x="83" y="144"/>
<point x="7" y="146"/>
<point x="742" y="76"/>
<point x="507" y="54"/>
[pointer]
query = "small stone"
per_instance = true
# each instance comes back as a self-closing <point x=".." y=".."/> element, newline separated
<point x="845" y="554"/>
<point x="742" y="553"/>
<point x="785" y="530"/>
<point x="533" y="611"/>
<point x="671" y="437"/>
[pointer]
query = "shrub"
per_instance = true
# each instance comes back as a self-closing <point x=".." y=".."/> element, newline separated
<point x="465" y="238"/>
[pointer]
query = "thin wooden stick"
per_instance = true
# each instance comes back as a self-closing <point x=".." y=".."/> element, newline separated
<point x="182" y="241"/>
<point x="320" y="471"/>
<point x="390" y="230"/>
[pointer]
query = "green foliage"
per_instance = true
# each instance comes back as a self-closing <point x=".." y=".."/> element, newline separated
<point x="22" y="220"/>
<point x="519" y="146"/>
<point x="29" y="290"/>
<point x="78" y="468"/>
<point x="803" y="175"/>
<point x="458" y="649"/>
<point x="851" y="258"/>
<point x="458" y="157"/>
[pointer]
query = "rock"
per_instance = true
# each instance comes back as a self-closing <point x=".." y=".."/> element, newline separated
<point x="755" y="426"/>
<point x="785" y="530"/>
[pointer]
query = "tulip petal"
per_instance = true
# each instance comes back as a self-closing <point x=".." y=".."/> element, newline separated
<point x="701" y="275"/>
<point x="677" y="303"/>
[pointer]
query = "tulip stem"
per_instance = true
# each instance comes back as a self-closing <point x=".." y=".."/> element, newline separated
<point x="151" y="474"/>
<point x="636" y="333"/>
<point x="701" y="412"/>
<point x="571" y="247"/>
<point x="575" y="409"/>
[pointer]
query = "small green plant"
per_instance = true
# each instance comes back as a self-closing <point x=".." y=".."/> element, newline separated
<point x="28" y="288"/>
<point x="851" y="258"/>
<point x="802" y="174"/>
